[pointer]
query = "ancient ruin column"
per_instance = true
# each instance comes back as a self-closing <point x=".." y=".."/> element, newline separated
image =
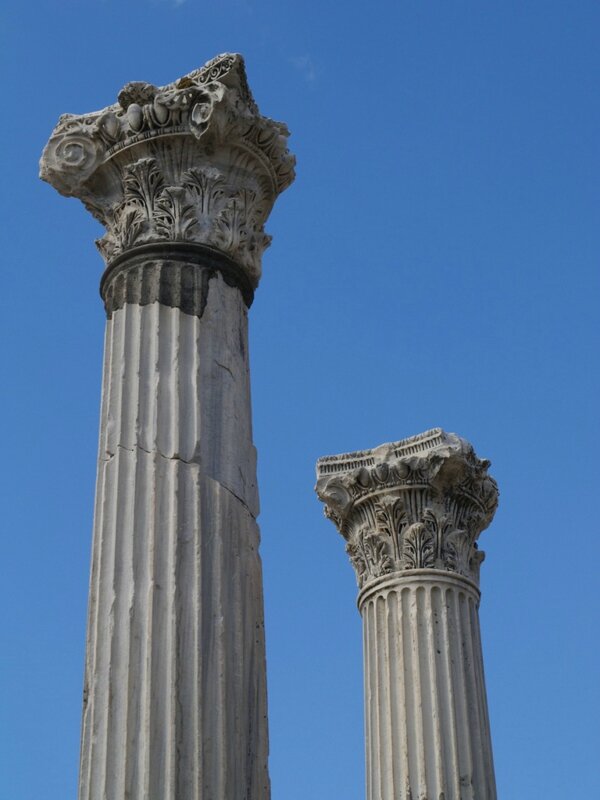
<point x="411" y="512"/>
<point x="183" y="178"/>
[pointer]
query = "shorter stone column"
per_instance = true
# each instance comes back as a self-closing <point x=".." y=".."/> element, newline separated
<point x="411" y="512"/>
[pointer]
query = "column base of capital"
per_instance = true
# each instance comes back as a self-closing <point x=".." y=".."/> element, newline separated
<point x="412" y="578"/>
<point x="175" y="274"/>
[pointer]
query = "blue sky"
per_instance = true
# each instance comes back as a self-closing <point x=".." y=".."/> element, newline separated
<point x="435" y="263"/>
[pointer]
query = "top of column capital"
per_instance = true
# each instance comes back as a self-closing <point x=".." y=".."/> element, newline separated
<point x="417" y="503"/>
<point x="213" y="103"/>
<point x="200" y="138"/>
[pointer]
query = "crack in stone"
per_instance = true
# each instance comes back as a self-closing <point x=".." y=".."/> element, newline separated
<point x="157" y="453"/>
<point x="223" y="366"/>
<point x="194" y="462"/>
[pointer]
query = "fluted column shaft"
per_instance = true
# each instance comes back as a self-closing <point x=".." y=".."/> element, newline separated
<point x="411" y="513"/>
<point x="427" y="727"/>
<point x="175" y="667"/>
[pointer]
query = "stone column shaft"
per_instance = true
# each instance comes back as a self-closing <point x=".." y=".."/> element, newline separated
<point x="411" y="512"/>
<point x="175" y="655"/>
<point x="183" y="178"/>
<point x="427" y="727"/>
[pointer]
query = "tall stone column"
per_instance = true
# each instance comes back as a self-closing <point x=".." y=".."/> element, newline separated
<point x="183" y="178"/>
<point x="411" y="512"/>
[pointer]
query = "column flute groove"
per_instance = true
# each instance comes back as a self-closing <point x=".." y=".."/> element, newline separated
<point x="388" y="682"/>
<point x="368" y="704"/>
<point x="437" y="754"/>
<point x="465" y="764"/>
<point x="411" y="513"/>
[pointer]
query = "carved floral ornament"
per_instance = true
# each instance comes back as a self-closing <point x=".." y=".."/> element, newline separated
<point x="421" y="509"/>
<point x="192" y="161"/>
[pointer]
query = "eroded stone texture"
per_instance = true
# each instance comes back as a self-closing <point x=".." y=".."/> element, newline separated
<point x="193" y="161"/>
<point x="411" y="513"/>
<point x="175" y="668"/>
<point x="183" y="178"/>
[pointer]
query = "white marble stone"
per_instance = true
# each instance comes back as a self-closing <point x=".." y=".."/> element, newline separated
<point x="183" y="178"/>
<point x="193" y="161"/>
<point x="411" y="513"/>
<point x="175" y="667"/>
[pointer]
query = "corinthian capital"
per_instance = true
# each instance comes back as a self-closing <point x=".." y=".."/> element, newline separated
<point x="420" y="503"/>
<point x="190" y="162"/>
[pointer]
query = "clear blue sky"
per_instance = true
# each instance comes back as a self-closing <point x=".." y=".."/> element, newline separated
<point x="435" y="263"/>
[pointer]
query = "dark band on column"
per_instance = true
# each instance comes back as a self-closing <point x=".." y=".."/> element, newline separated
<point x="176" y="274"/>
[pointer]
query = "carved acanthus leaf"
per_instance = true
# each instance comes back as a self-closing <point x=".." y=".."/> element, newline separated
<point x="418" y="550"/>
<point x="369" y="556"/>
<point x="175" y="218"/>
<point x="142" y="185"/>
<point x="191" y="161"/>
<point x="425" y="501"/>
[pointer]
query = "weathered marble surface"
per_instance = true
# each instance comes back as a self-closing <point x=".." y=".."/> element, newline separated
<point x="193" y="161"/>
<point x="183" y="177"/>
<point x="411" y="513"/>
<point x="175" y="668"/>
